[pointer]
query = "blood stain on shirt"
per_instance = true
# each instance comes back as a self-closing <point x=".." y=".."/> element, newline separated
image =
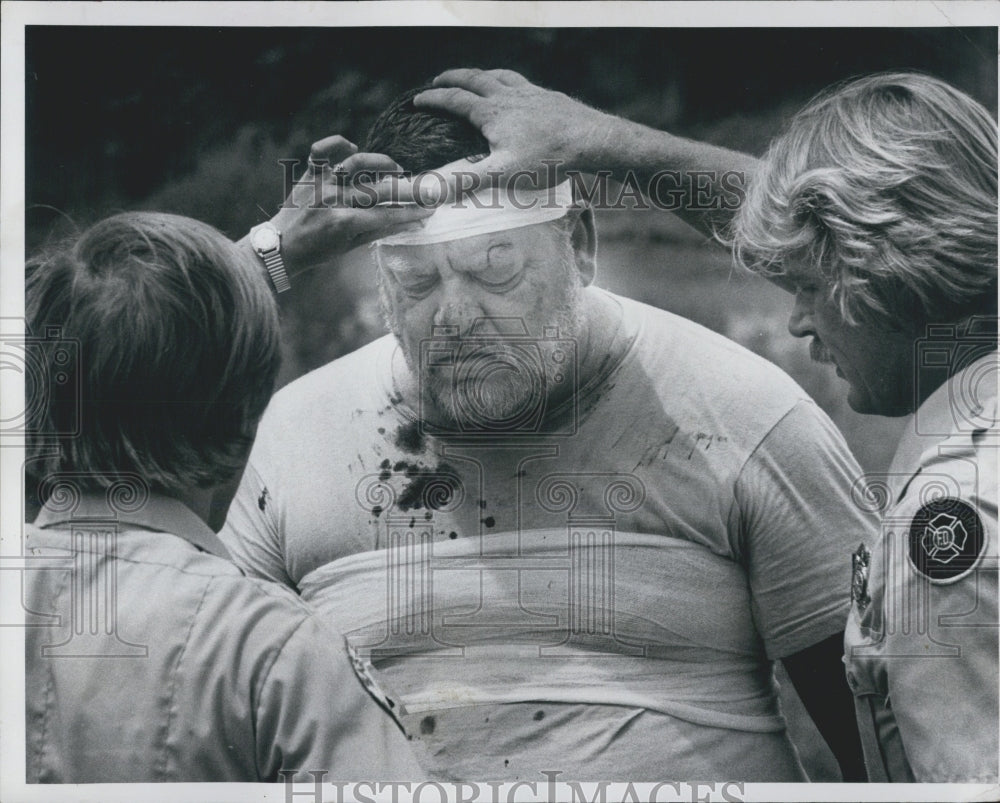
<point x="409" y="438"/>
<point x="427" y="725"/>
<point x="432" y="488"/>
<point x="262" y="500"/>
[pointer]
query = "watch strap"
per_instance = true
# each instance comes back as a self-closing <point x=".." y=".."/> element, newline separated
<point x="276" y="270"/>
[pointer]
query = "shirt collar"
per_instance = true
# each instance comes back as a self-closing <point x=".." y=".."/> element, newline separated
<point x="158" y="513"/>
<point x="951" y="409"/>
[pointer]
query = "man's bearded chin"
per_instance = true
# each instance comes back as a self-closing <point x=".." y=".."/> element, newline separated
<point x="495" y="383"/>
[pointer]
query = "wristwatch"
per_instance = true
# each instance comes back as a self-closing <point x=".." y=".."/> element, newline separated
<point x="266" y="241"/>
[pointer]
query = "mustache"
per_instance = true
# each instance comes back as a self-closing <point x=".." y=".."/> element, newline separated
<point x="820" y="353"/>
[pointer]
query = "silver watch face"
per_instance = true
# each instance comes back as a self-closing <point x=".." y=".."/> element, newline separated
<point x="264" y="238"/>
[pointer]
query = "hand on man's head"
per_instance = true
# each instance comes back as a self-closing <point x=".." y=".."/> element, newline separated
<point x="527" y="126"/>
<point x="345" y="199"/>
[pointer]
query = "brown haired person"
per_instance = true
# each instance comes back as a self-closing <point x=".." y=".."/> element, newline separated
<point x="877" y="210"/>
<point x="224" y="677"/>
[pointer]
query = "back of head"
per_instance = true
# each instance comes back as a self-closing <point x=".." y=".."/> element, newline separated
<point x="886" y="186"/>
<point x="178" y="351"/>
<point x="423" y="139"/>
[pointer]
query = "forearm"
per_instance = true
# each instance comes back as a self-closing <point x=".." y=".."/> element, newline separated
<point x="703" y="184"/>
<point x="818" y="676"/>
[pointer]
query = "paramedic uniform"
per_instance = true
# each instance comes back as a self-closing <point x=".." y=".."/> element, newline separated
<point x="921" y="643"/>
<point x="162" y="662"/>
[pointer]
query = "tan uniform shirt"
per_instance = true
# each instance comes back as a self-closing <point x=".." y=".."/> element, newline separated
<point x="162" y="662"/>
<point x="921" y="641"/>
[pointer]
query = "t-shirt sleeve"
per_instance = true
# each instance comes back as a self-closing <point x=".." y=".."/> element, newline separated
<point x="798" y="526"/>
<point x="251" y="532"/>
<point x="320" y="712"/>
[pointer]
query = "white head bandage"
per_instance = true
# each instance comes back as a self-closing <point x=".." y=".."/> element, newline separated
<point x="486" y="211"/>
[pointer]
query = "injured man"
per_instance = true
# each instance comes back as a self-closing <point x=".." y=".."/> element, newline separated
<point x="571" y="531"/>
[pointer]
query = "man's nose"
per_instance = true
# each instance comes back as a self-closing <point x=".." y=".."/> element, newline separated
<point x="800" y="321"/>
<point x="456" y="307"/>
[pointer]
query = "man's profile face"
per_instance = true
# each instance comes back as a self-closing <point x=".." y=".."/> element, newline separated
<point x="526" y="276"/>
<point x="877" y="364"/>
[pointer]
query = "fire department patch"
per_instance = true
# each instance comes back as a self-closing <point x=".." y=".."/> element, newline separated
<point x="946" y="539"/>
<point x="861" y="561"/>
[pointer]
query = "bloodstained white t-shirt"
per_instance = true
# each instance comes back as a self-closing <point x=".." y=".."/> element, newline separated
<point x="599" y="592"/>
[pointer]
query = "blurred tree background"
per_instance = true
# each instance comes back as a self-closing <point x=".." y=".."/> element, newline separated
<point x="194" y="121"/>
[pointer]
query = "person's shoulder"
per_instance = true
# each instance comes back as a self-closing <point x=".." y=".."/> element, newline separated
<point x="707" y="379"/>
<point x="253" y="615"/>
<point x="328" y="380"/>
<point x="330" y="390"/>
<point x="946" y="519"/>
<point x="712" y="357"/>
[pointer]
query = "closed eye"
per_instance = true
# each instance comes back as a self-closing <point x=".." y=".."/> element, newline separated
<point x="494" y="285"/>
<point x="415" y="284"/>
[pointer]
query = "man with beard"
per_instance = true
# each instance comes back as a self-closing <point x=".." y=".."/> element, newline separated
<point x="572" y="531"/>
<point x="877" y="209"/>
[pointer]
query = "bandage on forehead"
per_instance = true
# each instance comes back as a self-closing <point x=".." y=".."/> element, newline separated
<point x="486" y="211"/>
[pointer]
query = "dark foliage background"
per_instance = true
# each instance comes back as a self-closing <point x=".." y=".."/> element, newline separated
<point x="194" y="120"/>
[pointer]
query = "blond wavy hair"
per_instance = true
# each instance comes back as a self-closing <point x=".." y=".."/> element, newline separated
<point x="886" y="186"/>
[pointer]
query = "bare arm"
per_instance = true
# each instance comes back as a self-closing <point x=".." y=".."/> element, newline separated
<point x="527" y="126"/>
<point x="817" y="673"/>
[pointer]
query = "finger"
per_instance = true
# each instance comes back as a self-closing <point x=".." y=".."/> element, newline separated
<point x="396" y="189"/>
<point x="383" y="215"/>
<point x="369" y="163"/>
<point x="371" y="228"/>
<point x="474" y="80"/>
<point x="510" y="78"/>
<point x="460" y="102"/>
<point x="499" y="169"/>
<point x="380" y="176"/>
<point x="332" y="148"/>
<point x="463" y="176"/>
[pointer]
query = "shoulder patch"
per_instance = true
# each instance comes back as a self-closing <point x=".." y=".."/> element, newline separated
<point x="946" y="539"/>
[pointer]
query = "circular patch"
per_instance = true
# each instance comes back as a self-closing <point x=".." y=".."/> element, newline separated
<point x="946" y="537"/>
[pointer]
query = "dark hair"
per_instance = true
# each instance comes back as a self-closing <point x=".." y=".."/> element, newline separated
<point x="420" y="139"/>
<point x="177" y="337"/>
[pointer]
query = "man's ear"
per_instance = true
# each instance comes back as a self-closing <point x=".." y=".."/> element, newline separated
<point x="583" y="238"/>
